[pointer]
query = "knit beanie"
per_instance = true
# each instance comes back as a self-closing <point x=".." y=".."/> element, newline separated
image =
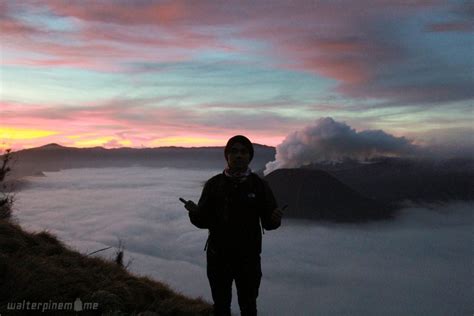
<point x="238" y="139"/>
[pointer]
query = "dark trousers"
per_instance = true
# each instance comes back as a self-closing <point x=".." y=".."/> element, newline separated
<point x="222" y="270"/>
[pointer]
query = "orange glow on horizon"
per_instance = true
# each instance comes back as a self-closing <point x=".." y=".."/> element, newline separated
<point x="22" y="138"/>
<point x="10" y="133"/>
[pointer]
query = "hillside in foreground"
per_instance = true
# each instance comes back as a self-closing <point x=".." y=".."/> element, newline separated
<point x="38" y="268"/>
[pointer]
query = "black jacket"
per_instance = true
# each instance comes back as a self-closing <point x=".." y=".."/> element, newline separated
<point x="232" y="211"/>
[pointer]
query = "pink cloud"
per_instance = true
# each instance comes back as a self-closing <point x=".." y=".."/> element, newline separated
<point x="11" y="27"/>
<point x="294" y="28"/>
<point x="131" y="122"/>
<point x="113" y="35"/>
<point x="343" y="42"/>
<point x="356" y="43"/>
<point x="129" y="13"/>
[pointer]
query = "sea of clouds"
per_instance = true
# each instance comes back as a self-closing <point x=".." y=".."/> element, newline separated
<point x="418" y="264"/>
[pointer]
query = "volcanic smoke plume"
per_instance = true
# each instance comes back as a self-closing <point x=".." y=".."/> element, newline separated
<point x="329" y="140"/>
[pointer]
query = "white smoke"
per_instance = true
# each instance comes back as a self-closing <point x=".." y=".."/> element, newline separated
<point x="329" y="140"/>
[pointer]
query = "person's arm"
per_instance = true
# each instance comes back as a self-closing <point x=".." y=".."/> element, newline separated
<point x="199" y="215"/>
<point x="271" y="217"/>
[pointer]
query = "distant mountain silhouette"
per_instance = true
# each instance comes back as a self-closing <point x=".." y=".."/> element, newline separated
<point x="315" y="194"/>
<point x="54" y="157"/>
<point x="52" y="146"/>
<point x="343" y="191"/>
<point x="398" y="179"/>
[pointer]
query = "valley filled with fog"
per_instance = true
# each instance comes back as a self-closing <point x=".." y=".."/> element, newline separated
<point x="418" y="264"/>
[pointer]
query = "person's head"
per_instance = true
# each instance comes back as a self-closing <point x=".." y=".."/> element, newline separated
<point x="238" y="152"/>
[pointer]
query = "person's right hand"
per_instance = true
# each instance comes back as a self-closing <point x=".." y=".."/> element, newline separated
<point x="191" y="206"/>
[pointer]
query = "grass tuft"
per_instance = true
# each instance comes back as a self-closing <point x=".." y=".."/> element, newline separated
<point x="37" y="267"/>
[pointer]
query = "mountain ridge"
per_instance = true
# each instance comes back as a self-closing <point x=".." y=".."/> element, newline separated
<point x="315" y="194"/>
<point x="384" y="183"/>
<point x="394" y="180"/>
<point x="54" y="157"/>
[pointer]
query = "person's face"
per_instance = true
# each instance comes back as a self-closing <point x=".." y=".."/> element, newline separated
<point x="238" y="157"/>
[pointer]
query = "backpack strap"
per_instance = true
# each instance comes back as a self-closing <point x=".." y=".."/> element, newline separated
<point x="258" y="184"/>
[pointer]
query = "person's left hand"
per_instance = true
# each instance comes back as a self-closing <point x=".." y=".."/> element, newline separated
<point x="276" y="215"/>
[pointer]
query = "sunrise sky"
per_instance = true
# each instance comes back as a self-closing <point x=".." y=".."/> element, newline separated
<point x="193" y="73"/>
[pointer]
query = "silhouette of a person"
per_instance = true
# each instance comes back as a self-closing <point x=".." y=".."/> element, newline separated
<point x="232" y="206"/>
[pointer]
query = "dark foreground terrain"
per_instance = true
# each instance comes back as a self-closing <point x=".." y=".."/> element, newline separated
<point x="37" y="268"/>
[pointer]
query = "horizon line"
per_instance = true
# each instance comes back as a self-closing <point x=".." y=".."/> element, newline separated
<point x="126" y="147"/>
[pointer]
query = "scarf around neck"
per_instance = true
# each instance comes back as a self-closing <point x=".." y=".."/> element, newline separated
<point x="237" y="175"/>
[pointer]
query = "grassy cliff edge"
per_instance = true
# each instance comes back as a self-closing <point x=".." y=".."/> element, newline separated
<point x="38" y="268"/>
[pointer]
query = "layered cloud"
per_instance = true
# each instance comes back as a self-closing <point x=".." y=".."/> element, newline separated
<point x="235" y="65"/>
<point x="131" y="123"/>
<point x="374" y="49"/>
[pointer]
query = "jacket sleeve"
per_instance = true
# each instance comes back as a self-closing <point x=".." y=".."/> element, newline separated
<point x="201" y="217"/>
<point x="269" y="204"/>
